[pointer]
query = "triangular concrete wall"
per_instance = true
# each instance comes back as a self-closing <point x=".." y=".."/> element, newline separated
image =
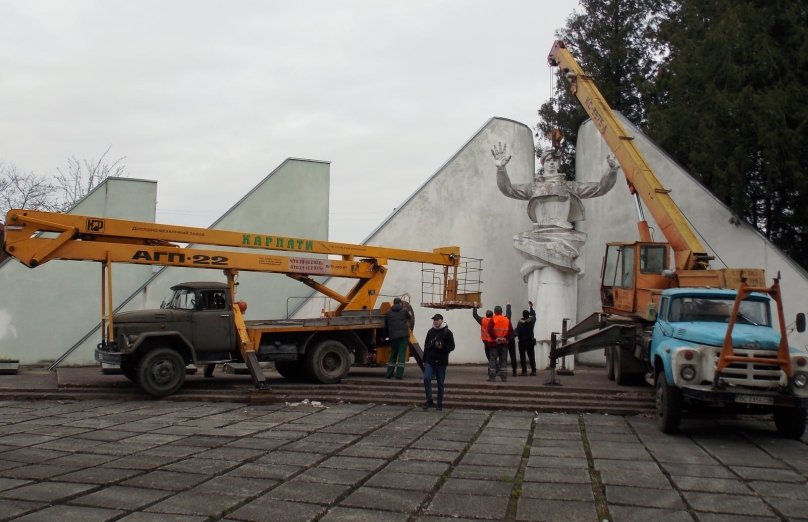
<point x="613" y="218"/>
<point x="460" y="204"/>
<point x="65" y="295"/>
<point x="44" y="311"/>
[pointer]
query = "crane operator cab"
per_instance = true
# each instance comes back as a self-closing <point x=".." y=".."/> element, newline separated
<point x="631" y="274"/>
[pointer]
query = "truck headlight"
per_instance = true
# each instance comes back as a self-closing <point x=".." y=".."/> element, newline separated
<point x="688" y="372"/>
<point x="800" y="380"/>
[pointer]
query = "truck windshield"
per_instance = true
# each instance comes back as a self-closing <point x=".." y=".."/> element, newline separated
<point x="714" y="309"/>
<point x="182" y="299"/>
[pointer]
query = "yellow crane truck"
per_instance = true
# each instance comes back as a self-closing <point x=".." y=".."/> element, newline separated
<point x="203" y="323"/>
<point x="704" y="337"/>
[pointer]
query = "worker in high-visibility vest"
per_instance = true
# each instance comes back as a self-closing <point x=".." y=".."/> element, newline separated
<point x="501" y="330"/>
<point x="485" y="337"/>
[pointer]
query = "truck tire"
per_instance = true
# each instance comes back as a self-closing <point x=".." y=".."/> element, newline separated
<point x="328" y="362"/>
<point x="790" y="422"/>
<point x="161" y="372"/>
<point x="668" y="405"/>
<point x="610" y="362"/>
<point x="292" y="370"/>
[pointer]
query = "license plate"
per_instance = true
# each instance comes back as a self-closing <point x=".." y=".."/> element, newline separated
<point x="754" y="399"/>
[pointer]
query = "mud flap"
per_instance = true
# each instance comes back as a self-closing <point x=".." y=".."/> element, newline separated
<point x="416" y="351"/>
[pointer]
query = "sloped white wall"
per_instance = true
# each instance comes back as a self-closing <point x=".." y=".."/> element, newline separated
<point x="44" y="311"/>
<point x="461" y="205"/>
<point x="291" y="201"/>
<point x="613" y="218"/>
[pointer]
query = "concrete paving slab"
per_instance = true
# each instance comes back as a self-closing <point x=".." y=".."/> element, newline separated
<point x="37" y="471"/>
<point x="408" y="481"/>
<point x="558" y="491"/>
<point x="347" y="477"/>
<point x="475" y="472"/>
<point x="267" y="509"/>
<point x="121" y="497"/>
<point x="555" y="510"/>
<point x="166" y="480"/>
<point x="644" y="479"/>
<point x="195" y="503"/>
<point x="164" y="517"/>
<point x="729" y="504"/>
<point x="50" y="491"/>
<point x="310" y="492"/>
<point x="345" y="514"/>
<point x="468" y="505"/>
<point x="644" y="497"/>
<point x="477" y="487"/>
<point x="791" y="507"/>
<point x="68" y="513"/>
<point x="401" y="500"/>
<point x="781" y="474"/>
<point x="551" y="475"/>
<point x="292" y="458"/>
<point x="97" y="475"/>
<point x="637" y="514"/>
<point x="712" y="485"/>
<point x="14" y="508"/>
<point x="265" y="471"/>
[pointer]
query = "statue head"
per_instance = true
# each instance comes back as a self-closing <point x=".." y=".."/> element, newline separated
<point x="550" y="162"/>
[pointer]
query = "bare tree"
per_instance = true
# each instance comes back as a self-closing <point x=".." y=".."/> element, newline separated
<point x="79" y="178"/>
<point x="28" y="190"/>
<point x="25" y="190"/>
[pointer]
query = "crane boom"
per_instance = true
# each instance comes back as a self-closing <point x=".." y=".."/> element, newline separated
<point x="689" y="253"/>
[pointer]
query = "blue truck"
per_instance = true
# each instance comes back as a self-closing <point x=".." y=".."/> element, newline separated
<point x="703" y="358"/>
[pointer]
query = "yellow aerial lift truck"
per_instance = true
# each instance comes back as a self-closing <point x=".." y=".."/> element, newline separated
<point x="203" y="323"/>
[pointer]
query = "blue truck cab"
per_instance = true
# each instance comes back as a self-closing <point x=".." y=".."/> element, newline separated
<point x="686" y="342"/>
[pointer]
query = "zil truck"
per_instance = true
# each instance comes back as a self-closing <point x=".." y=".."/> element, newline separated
<point x="202" y="323"/>
<point x="704" y="337"/>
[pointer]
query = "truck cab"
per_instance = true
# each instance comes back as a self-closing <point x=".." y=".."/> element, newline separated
<point x="688" y="335"/>
<point x="194" y="325"/>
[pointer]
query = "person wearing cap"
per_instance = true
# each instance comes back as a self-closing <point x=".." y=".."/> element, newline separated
<point x="501" y="331"/>
<point x="439" y="342"/>
<point x="485" y="337"/>
<point x="398" y="323"/>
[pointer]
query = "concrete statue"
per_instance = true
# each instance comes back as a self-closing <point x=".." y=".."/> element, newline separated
<point x="552" y="246"/>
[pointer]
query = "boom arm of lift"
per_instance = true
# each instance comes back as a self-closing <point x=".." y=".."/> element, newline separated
<point x="689" y="253"/>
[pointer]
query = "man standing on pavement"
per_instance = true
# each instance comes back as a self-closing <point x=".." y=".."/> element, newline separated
<point x="501" y="331"/>
<point x="439" y="342"/>
<point x="527" y="340"/>
<point x="398" y="323"/>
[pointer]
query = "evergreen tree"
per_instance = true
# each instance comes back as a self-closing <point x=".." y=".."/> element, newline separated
<point x="731" y="105"/>
<point x="615" y="41"/>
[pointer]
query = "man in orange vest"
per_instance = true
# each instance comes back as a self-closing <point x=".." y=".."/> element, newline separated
<point x="485" y="337"/>
<point x="501" y="330"/>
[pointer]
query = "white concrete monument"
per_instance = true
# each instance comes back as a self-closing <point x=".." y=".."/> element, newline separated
<point x="551" y="248"/>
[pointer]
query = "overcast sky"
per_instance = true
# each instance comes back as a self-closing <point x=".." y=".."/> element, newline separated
<point x="208" y="97"/>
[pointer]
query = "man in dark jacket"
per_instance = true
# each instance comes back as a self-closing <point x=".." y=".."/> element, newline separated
<point x="398" y="323"/>
<point x="439" y="342"/>
<point x="527" y="341"/>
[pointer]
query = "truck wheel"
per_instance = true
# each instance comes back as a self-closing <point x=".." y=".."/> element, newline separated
<point x="329" y="362"/>
<point x="610" y="362"/>
<point x="161" y="372"/>
<point x="292" y="370"/>
<point x="790" y="422"/>
<point x="668" y="405"/>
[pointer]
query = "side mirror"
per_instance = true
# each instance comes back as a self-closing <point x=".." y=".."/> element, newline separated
<point x="800" y="322"/>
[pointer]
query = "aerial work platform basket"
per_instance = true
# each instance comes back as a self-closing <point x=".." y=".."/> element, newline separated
<point x="452" y="287"/>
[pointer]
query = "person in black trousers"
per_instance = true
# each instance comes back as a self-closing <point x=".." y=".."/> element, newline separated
<point x="512" y="342"/>
<point x="527" y="340"/>
<point x="439" y="342"/>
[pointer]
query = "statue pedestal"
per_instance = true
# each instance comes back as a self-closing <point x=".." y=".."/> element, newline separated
<point x="554" y="293"/>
